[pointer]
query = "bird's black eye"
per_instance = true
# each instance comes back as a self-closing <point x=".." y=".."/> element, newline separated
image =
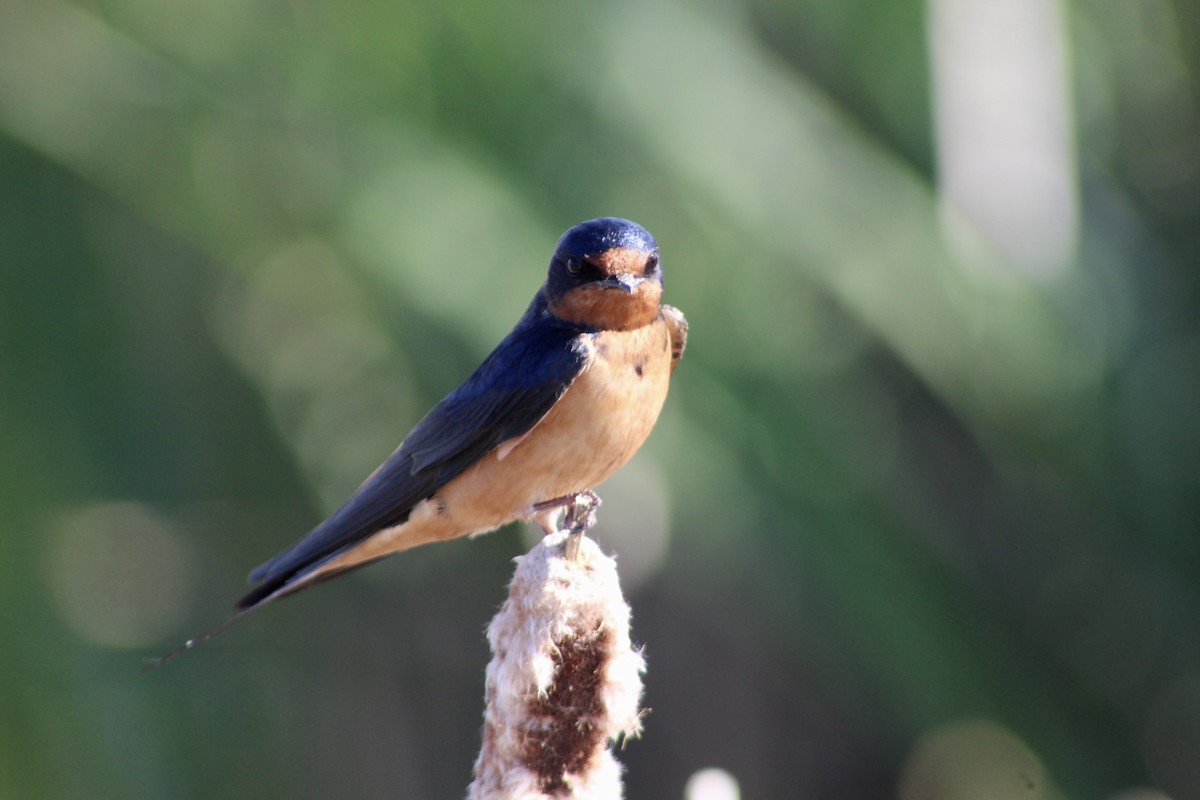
<point x="651" y="263"/>
<point x="574" y="265"/>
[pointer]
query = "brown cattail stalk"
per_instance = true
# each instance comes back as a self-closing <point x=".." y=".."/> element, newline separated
<point x="564" y="680"/>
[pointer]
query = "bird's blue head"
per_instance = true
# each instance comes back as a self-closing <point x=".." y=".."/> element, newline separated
<point x="605" y="275"/>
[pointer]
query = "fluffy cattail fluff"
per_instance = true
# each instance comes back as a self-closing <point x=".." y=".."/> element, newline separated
<point x="564" y="680"/>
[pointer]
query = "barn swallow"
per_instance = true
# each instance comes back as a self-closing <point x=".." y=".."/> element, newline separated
<point x="560" y="405"/>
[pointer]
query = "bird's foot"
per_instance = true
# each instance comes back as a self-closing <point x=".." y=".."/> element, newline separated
<point x="581" y="511"/>
<point x="581" y="515"/>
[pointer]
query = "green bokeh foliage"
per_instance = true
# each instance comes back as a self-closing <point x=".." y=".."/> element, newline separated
<point x="244" y="245"/>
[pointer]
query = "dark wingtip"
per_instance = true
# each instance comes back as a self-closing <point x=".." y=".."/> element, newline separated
<point x="259" y="594"/>
<point x="266" y="592"/>
<point x="263" y="570"/>
<point x="291" y="582"/>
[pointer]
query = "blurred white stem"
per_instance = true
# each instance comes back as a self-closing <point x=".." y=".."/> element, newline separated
<point x="564" y="680"/>
<point x="1006" y="166"/>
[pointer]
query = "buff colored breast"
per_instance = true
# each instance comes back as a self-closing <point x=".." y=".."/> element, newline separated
<point x="597" y="426"/>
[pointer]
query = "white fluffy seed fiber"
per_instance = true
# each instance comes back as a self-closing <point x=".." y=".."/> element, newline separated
<point x="564" y="680"/>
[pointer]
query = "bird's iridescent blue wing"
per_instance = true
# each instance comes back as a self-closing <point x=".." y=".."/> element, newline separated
<point x="505" y="397"/>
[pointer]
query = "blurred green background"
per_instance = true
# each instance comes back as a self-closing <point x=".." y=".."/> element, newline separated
<point x="920" y="519"/>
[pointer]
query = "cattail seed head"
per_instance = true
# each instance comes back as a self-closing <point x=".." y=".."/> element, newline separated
<point x="563" y="682"/>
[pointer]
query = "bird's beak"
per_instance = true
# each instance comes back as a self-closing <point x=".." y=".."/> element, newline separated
<point x="625" y="281"/>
